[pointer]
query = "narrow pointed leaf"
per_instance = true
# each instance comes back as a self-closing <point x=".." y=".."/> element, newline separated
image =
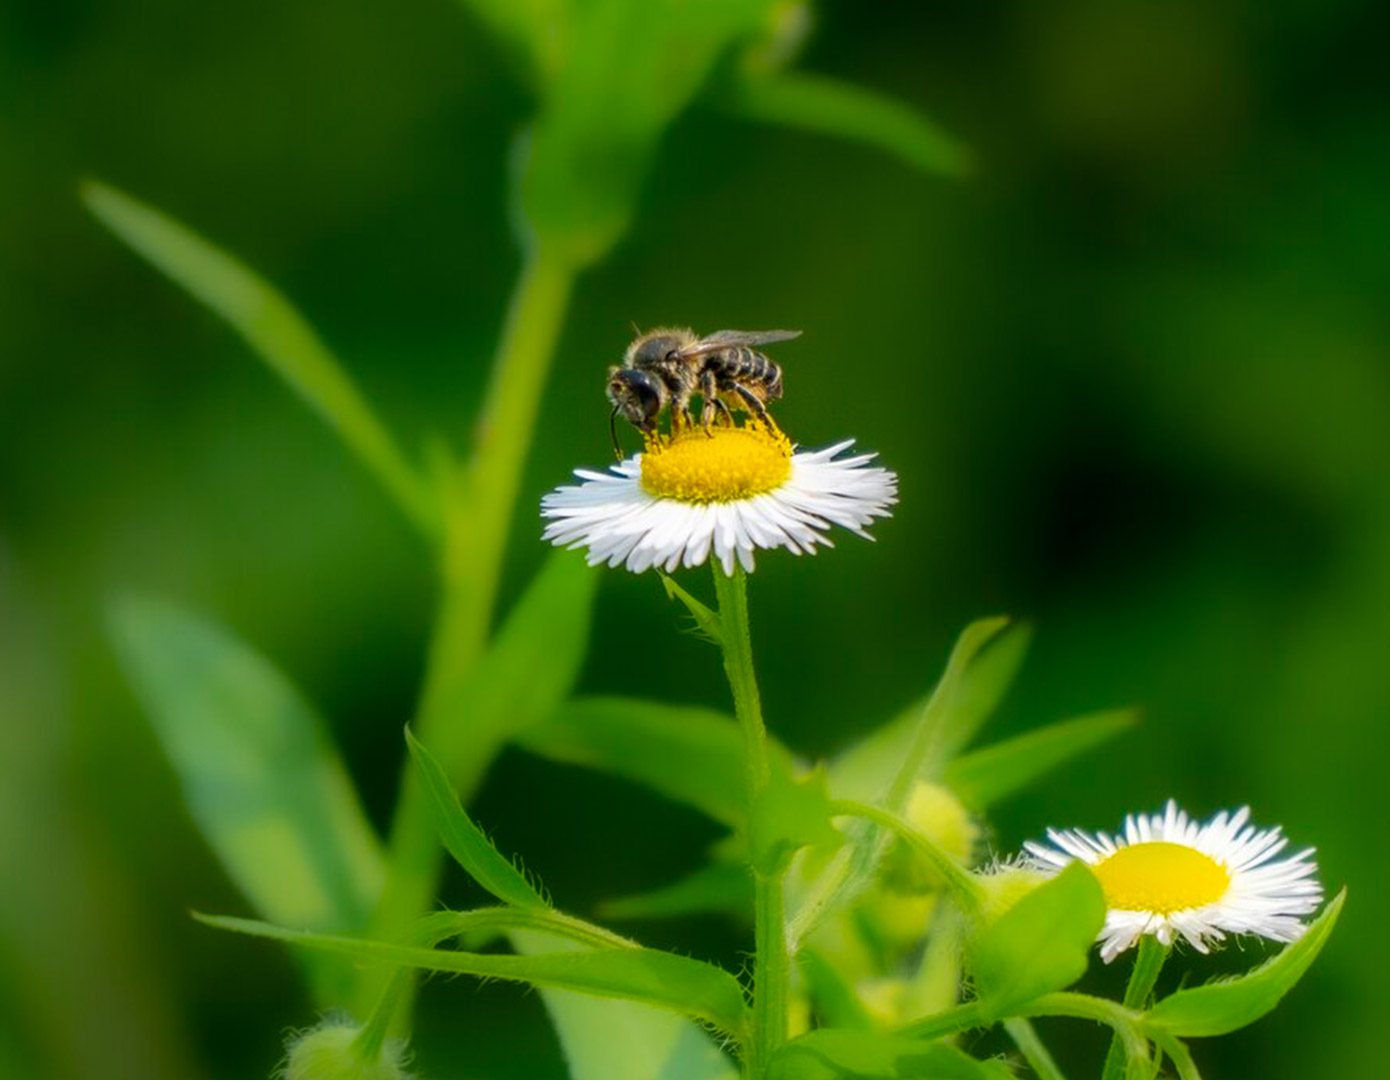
<point x="260" y="775"/>
<point x="467" y="843"/>
<point x="1222" y="1007"/>
<point x="719" y="887"/>
<point x="984" y="777"/>
<point x="841" y="109"/>
<point x="1041" y="944"/>
<point x="840" y="1054"/>
<point x="982" y="665"/>
<point x="278" y="334"/>
<point x="664" y="980"/>
<point x="688" y="754"/>
<point x="707" y="620"/>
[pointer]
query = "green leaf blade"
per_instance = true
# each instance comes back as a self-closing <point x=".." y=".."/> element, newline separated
<point x="984" y="777"/>
<point x="843" y="110"/>
<point x="688" y="754"/>
<point x="261" y="778"/>
<point x="529" y="669"/>
<point x="842" y="1054"/>
<point x="1041" y="944"/>
<point x="663" y="980"/>
<point x="1222" y="1007"/>
<point x="719" y="887"/>
<point x="467" y="843"/>
<point x="274" y="329"/>
<point x="925" y="736"/>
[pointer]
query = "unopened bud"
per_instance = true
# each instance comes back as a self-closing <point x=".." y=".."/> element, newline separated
<point x="332" y="1052"/>
<point x="1004" y="886"/>
<point x="935" y="812"/>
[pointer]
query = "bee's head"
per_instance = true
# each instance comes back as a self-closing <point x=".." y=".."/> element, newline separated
<point x="636" y="396"/>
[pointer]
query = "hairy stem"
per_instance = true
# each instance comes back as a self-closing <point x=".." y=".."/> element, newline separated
<point x="1033" y="1049"/>
<point x="962" y="884"/>
<point x="479" y="503"/>
<point x="1147" y="965"/>
<point x="772" y="963"/>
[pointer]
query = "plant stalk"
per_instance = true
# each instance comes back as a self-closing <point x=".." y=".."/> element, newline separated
<point x="479" y="501"/>
<point x="772" y="962"/>
<point x="1147" y="966"/>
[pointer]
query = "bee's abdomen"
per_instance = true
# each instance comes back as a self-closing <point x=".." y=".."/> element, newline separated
<point x="749" y="367"/>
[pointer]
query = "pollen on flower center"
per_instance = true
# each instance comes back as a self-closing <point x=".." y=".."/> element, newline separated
<point x="1161" y="877"/>
<point x="723" y="465"/>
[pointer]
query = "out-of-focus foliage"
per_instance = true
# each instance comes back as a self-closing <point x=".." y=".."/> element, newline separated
<point x="1132" y="374"/>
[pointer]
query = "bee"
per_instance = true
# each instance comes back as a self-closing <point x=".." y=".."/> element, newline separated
<point x="666" y="368"/>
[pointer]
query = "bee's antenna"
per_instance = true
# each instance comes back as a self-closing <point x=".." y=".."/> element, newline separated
<point x="613" y="433"/>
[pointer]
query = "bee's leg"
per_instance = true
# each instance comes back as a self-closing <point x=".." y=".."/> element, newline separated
<point x="757" y="408"/>
<point x="723" y="407"/>
<point x="709" y="395"/>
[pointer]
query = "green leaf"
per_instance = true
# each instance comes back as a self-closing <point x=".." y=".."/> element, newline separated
<point x="880" y="771"/>
<point x="620" y="75"/>
<point x="719" y="887"/>
<point x="1039" y="945"/>
<point x="624" y="1040"/>
<point x="465" y="841"/>
<point x="790" y="814"/>
<point x="1227" y="1006"/>
<point x="529" y="668"/>
<point x="707" y="621"/>
<point x="834" y="107"/>
<point x="927" y="735"/>
<point x="984" y="777"/>
<point x="661" y="979"/>
<point x="833" y="1054"/>
<point x="688" y="754"/>
<point x="261" y="778"/>
<point x="274" y="330"/>
<point x="833" y="998"/>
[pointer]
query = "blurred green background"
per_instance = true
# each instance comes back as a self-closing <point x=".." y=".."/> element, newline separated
<point x="1134" y="374"/>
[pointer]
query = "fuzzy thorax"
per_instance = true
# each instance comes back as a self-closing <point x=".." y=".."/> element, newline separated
<point x="725" y="464"/>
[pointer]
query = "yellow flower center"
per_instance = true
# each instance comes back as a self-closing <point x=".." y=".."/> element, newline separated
<point x="724" y="465"/>
<point x="1162" y="877"/>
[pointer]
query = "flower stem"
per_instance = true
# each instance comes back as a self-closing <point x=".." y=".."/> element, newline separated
<point x="962" y="884"/>
<point x="1032" y="1048"/>
<point x="1147" y="965"/>
<point x="772" y="962"/>
<point x="479" y="502"/>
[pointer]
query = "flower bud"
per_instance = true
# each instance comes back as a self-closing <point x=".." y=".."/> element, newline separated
<point x="330" y="1052"/>
<point x="935" y="812"/>
<point x="1004" y="886"/>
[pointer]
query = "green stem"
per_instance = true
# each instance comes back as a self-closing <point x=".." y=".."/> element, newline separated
<point x="1182" y="1060"/>
<point x="959" y="880"/>
<point x="950" y="1021"/>
<point x="1126" y="1023"/>
<point x="1032" y="1048"/>
<point x="772" y="962"/>
<point x="478" y="511"/>
<point x="1147" y="965"/>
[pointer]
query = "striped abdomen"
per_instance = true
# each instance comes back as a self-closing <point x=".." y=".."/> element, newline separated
<point x="742" y="366"/>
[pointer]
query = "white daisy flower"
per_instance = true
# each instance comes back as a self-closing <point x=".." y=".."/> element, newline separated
<point x="1169" y="876"/>
<point x="728" y="492"/>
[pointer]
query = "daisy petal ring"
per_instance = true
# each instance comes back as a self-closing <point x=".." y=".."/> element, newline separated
<point x="723" y="492"/>
<point x="1171" y="877"/>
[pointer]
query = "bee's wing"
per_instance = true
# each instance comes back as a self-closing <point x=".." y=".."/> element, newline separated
<point x="724" y="339"/>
